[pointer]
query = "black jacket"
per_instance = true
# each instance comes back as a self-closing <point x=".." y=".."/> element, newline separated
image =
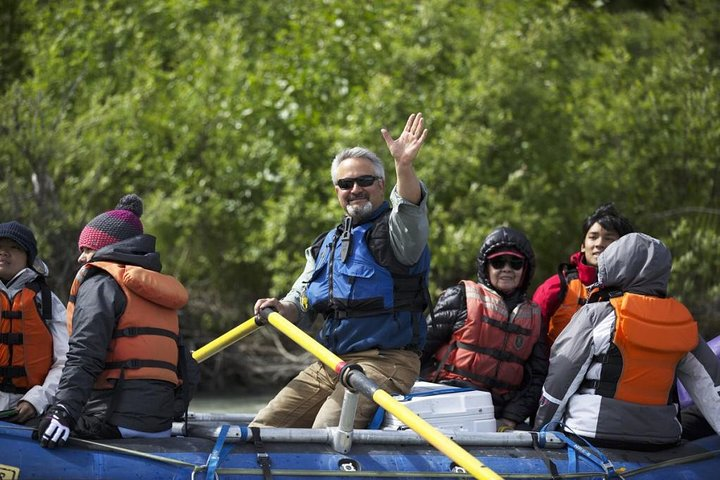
<point x="145" y="405"/>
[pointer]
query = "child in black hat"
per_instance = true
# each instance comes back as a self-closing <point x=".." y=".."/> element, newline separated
<point x="34" y="343"/>
<point x="18" y="249"/>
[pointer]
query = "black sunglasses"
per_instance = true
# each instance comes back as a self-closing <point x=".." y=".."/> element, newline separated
<point x="362" y="181"/>
<point x="514" y="262"/>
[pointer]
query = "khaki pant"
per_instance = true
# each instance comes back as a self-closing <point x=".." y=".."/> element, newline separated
<point x="314" y="397"/>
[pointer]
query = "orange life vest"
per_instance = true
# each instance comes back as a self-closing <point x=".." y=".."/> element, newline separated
<point x="651" y="336"/>
<point x="576" y="296"/>
<point x="145" y="340"/>
<point x="491" y="349"/>
<point x="26" y="344"/>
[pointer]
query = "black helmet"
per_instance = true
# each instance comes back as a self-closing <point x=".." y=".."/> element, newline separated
<point x="510" y="239"/>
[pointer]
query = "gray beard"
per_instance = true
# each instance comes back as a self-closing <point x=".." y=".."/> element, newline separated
<point x="359" y="213"/>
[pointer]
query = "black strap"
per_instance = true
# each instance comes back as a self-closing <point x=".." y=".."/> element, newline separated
<point x="590" y="383"/>
<point x="12" y="314"/>
<point x="137" y="363"/>
<point x="331" y="305"/>
<point x="368" y="307"/>
<point x="8" y="387"/>
<point x="46" y="302"/>
<point x="612" y="368"/>
<point x="11" y="338"/>
<point x="345" y="239"/>
<point x="552" y="468"/>
<point x="506" y="326"/>
<point x="562" y="272"/>
<point x="136" y="331"/>
<point x="604" y="294"/>
<point x="493" y="352"/>
<point x="12" y="372"/>
<point x="409" y="292"/>
<point x="263" y="459"/>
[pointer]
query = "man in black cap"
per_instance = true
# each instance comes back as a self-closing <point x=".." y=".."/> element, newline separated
<point x="34" y="342"/>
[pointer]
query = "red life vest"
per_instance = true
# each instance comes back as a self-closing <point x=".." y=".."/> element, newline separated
<point x="26" y="344"/>
<point x="651" y="336"/>
<point x="576" y="296"/>
<point x="145" y="340"/>
<point x="491" y="349"/>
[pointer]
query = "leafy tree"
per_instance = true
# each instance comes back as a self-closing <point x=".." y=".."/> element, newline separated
<point x="224" y="117"/>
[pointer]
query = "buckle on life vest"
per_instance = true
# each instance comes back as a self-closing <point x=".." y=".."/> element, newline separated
<point x="132" y="364"/>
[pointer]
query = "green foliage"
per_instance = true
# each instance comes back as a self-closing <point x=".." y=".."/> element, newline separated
<point x="224" y="117"/>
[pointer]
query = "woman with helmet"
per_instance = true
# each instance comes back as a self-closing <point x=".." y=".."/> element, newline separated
<point x="487" y="335"/>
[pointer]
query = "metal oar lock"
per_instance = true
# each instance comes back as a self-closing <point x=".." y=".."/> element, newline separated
<point x="342" y="435"/>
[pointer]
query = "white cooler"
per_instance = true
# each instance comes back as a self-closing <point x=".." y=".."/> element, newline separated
<point x="462" y="411"/>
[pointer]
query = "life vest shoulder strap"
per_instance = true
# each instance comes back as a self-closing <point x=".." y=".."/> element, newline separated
<point x="566" y="272"/>
<point x="604" y="294"/>
<point x="39" y="285"/>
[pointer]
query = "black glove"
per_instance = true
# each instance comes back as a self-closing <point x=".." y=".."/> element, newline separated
<point x="54" y="428"/>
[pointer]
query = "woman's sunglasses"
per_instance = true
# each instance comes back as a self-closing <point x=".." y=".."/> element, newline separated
<point x="362" y="181"/>
<point x="499" y="262"/>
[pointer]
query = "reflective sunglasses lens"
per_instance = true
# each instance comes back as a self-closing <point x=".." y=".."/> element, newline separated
<point x="497" y="263"/>
<point x="363" y="181"/>
<point x="345" y="183"/>
<point x="514" y="262"/>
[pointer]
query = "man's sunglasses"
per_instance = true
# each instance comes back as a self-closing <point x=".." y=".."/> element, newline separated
<point x="514" y="262"/>
<point x="362" y="181"/>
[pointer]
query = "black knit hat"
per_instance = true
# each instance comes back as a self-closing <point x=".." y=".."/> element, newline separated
<point x="21" y="235"/>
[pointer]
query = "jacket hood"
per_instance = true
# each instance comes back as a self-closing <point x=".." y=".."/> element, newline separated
<point x="636" y="263"/>
<point x="18" y="282"/>
<point x="139" y="250"/>
<point x="506" y="238"/>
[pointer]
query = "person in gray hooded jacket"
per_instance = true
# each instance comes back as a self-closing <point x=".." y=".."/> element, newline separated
<point x="612" y="370"/>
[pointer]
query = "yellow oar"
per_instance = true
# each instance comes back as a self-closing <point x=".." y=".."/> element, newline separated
<point x="358" y="381"/>
<point x="225" y="340"/>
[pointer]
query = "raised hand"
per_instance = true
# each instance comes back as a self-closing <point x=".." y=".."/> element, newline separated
<point x="404" y="149"/>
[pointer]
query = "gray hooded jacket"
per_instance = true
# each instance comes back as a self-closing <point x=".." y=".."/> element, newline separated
<point x="640" y="264"/>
